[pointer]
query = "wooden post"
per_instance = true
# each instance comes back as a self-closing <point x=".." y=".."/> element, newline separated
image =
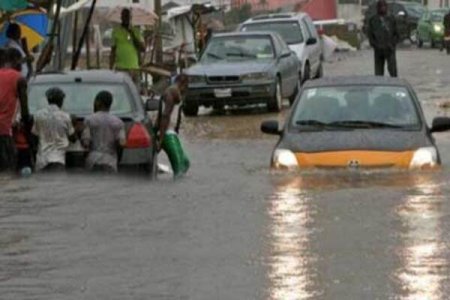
<point x="158" y="41"/>
<point x="75" y="33"/>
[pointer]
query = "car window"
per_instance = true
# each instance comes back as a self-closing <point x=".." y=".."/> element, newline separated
<point x="289" y="31"/>
<point x="311" y="27"/>
<point x="381" y="104"/>
<point x="80" y="97"/>
<point x="239" y="48"/>
<point x="308" y="31"/>
<point x="437" y="16"/>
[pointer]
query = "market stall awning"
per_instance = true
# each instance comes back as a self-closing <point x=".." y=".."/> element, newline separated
<point x="194" y="8"/>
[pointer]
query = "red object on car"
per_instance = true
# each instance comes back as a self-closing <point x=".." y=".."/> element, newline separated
<point x="138" y="137"/>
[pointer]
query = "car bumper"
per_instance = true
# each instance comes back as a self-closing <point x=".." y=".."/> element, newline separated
<point x="240" y="94"/>
<point x="129" y="157"/>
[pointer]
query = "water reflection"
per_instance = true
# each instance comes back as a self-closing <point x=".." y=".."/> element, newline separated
<point x="290" y="273"/>
<point x="422" y="253"/>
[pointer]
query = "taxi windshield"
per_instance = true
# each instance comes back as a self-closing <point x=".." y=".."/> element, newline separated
<point x="356" y="107"/>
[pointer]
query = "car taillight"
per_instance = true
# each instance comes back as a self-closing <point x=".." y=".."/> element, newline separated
<point x="138" y="137"/>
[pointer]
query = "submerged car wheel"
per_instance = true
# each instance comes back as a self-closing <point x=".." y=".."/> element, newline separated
<point x="275" y="104"/>
<point x="151" y="168"/>
<point x="319" y="71"/>
<point x="307" y="73"/>
<point x="419" y="43"/>
<point x="296" y="91"/>
<point x="190" y="109"/>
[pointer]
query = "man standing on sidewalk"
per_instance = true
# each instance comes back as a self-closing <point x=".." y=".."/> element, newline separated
<point x="383" y="37"/>
<point x="127" y="45"/>
<point x="13" y="91"/>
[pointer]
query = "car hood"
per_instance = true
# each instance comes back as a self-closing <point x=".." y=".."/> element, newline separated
<point x="229" y="68"/>
<point x="367" y="140"/>
<point x="299" y="49"/>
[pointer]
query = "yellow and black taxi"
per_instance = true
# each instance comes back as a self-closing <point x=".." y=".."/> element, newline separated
<point x="356" y="122"/>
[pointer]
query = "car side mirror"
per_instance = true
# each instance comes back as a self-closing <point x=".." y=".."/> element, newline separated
<point x="270" y="127"/>
<point x="152" y="104"/>
<point x="311" y="41"/>
<point x="286" y="54"/>
<point x="440" y="124"/>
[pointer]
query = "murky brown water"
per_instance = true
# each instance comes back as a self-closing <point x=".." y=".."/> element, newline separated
<point x="233" y="230"/>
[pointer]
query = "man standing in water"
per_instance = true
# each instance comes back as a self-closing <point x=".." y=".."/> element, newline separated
<point x="13" y="87"/>
<point x="383" y="37"/>
<point x="55" y="130"/>
<point x="168" y="127"/>
<point x="103" y="135"/>
<point x="127" y="45"/>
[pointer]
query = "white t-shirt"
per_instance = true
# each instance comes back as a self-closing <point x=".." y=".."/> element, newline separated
<point x="53" y="127"/>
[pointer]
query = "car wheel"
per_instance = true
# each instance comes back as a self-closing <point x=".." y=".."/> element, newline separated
<point x="151" y="168"/>
<point x="307" y="73"/>
<point x="296" y="91"/>
<point x="320" y="71"/>
<point x="276" y="102"/>
<point x="419" y="43"/>
<point x="190" y="110"/>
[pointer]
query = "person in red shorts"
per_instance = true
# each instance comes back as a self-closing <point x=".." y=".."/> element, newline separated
<point x="13" y="94"/>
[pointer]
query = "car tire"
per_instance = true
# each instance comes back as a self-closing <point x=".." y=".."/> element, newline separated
<point x="319" y="72"/>
<point x="151" y="168"/>
<point x="419" y="43"/>
<point x="276" y="102"/>
<point x="296" y="91"/>
<point x="307" y="72"/>
<point x="190" y="110"/>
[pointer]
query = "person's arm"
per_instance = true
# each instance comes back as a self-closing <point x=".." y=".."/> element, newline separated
<point x="22" y="88"/>
<point x="370" y="34"/>
<point x="137" y="40"/>
<point x="169" y="104"/>
<point x="71" y="133"/>
<point x="86" y="135"/>
<point x="121" y="136"/>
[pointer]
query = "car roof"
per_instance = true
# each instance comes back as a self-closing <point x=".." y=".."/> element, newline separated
<point x="356" y="80"/>
<point x="276" y="17"/>
<point x="98" y="76"/>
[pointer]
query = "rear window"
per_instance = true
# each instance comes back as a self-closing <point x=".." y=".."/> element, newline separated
<point x="80" y="97"/>
<point x="289" y="31"/>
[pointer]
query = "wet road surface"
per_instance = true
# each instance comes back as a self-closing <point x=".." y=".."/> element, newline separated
<point x="233" y="230"/>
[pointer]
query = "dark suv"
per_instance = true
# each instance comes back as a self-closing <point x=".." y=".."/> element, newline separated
<point x="407" y="15"/>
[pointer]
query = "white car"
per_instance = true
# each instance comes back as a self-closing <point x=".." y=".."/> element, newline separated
<point x="299" y="32"/>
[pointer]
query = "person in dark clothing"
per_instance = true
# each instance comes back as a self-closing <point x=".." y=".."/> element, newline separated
<point x="446" y="31"/>
<point x="383" y="37"/>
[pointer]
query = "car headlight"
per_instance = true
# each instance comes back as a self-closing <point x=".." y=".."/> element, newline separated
<point x="196" y="79"/>
<point x="284" y="159"/>
<point x="437" y="28"/>
<point x="256" y="76"/>
<point x="426" y="157"/>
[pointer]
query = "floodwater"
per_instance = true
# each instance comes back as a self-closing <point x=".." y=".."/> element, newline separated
<point x="232" y="229"/>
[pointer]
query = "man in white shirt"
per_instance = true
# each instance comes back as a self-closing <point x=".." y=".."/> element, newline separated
<point x="13" y="33"/>
<point x="55" y="131"/>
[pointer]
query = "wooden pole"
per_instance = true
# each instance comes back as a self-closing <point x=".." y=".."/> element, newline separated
<point x="83" y="36"/>
<point x="158" y="41"/>
<point x="75" y="33"/>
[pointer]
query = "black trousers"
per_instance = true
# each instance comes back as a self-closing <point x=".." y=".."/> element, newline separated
<point x="381" y="57"/>
<point x="8" y="154"/>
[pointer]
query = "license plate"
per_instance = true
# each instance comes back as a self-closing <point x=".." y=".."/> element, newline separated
<point x="222" y="93"/>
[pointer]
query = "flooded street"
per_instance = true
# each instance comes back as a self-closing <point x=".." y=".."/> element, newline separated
<point x="233" y="230"/>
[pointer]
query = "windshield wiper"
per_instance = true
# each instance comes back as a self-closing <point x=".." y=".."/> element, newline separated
<point x="242" y="55"/>
<point x="363" y="124"/>
<point x="214" y="55"/>
<point x="312" y="123"/>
